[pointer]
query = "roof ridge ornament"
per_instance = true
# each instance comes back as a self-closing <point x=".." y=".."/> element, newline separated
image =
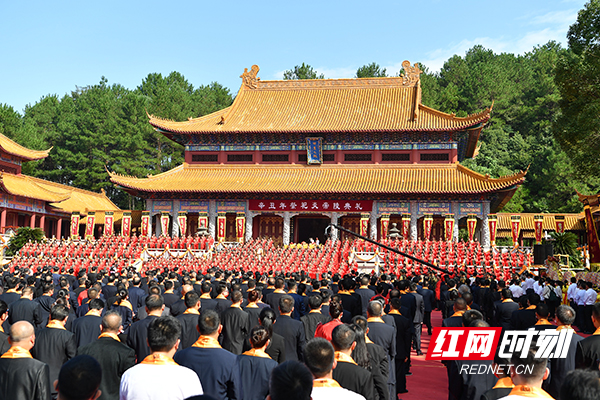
<point x="249" y="78"/>
<point x="411" y="74"/>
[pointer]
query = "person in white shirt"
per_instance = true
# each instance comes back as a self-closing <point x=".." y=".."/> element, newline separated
<point x="571" y="291"/>
<point x="589" y="299"/>
<point x="516" y="290"/>
<point x="580" y="303"/>
<point x="158" y="377"/>
<point x="528" y="282"/>
<point x="319" y="357"/>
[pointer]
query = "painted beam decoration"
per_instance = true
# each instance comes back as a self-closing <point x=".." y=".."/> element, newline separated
<point x="145" y="228"/>
<point x="182" y="222"/>
<point x="342" y="206"/>
<point x="126" y="224"/>
<point x="90" y="224"/>
<point x="314" y="150"/>
<point x="75" y="225"/>
<point x="109" y="223"/>
<point x="434" y="208"/>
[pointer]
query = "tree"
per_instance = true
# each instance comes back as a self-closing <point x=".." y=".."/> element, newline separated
<point x="566" y="244"/>
<point x="577" y="129"/>
<point x="23" y="236"/>
<point x="372" y="70"/>
<point x="303" y="71"/>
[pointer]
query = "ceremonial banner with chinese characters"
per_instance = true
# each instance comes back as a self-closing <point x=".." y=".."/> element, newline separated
<point x="492" y="224"/>
<point x="593" y="242"/>
<point x="471" y="225"/>
<point x="449" y="227"/>
<point x="164" y="223"/>
<point x="145" y="228"/>
<point x="515" y="228"/>
<point x="182" y="221"/>
<point x="538" y="225"/>
<point x="427" y="225"/>
<point x="559" y="220"/>
<point x="364" y="224"/>
<point x="349" y="206"/>
<point x="385" y="224"/>
<point x="314" y="150"/>
<point x="240" y="226"/>
<point x="203" y="221"/>
<point x="126" y="224"/>
<point x="221" y="225"/>
<point x="109" y="222"/>
<point x="89" y="226"/>
<point x="405" y="226"/>
<point x="75" y="225"/>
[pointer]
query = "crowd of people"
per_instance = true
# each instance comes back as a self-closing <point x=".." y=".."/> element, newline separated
<point x="237" y="334"/>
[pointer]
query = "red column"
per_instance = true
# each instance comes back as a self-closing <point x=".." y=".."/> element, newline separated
<point x="3" y="221"/>
<point x="43" y="223"/>
<point x="59" y="228"/>
<point x="32" y="221"/>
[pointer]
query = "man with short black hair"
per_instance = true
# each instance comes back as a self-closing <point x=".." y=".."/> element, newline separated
<point x="528" y="374"/>
<point x="25" y="309"/>
<point x="114" y="356"/>
<point x="320" y="360"/>
<point x="504" y="309"/>
<point x="236" y="325"/>
<point x="55" y="345"/>
<point x="385" y="336"/>
<point x="580" y="385"/>
<point x="291" y="380"/>
<point x="314" y="317"/>
<point x="158" y="376"/>
<point x="79" y="379"/>
<point x="455" y="320"/>
<point x="189" y="320"/>
<point x="138" y="332"/>
<point x="87" y="328"/>
<point x="291" y="330"/>
<point x="347" y="373"/>
<point x="21" y="376"/>
<point x="215" y="366"/>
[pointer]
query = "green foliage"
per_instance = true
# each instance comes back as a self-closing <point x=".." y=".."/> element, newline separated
<point x="303" y="71"/>
<point x="566" y="244"/>
<point x="372" y="70"/>
<point x="23" y="236"/>
<point x="577" y="128"/>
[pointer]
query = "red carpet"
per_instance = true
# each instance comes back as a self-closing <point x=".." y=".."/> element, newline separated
<point x="429" y="379"/>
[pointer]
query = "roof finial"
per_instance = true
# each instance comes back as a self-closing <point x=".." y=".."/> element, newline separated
<point x="411" y="73"/>
<point x="249" y="78"/>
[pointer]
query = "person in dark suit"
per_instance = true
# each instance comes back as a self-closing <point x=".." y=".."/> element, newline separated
<point x="526" y="318"/>
<point x="114" y="357"/>
<point x="428" y="302"/>
<point x="189" y="320"/>
<point x="455" y="320"/>
<point x="25" y="309"/>
<point x="4" y="343"/>
<point x="55" y="345"/>
<point x="137" y="295"/>
<point x="504" y="309"/>
<point x="236" y="325"/>
<point x="206" y="301"/>
<point x="542" y="313"/>
<point x="170" y="296"/>
<point x="418" y="319"/>
<point x="300" y="302"/>
<point x="21" y="376"/>
<point x="179" y="306"/>
<point x="314" y="317"/>
<point x="276" y="346"/>
<point x="222" y="302"/>
<point x="138" y="333"/>
<point x="407" y="299"/>
<point x="110" y="289"/>
<point x="216" y="367"/>
<point x="46" y="301"/>
<point x="365" y="293"/>
<point x="404" y="328"/>
<point x="347" y="373"/>
<point x="273" y="298"/>
<point x="349" y="302"/>
<point x="588" y="349"/>
<point x="385" y="336"/>
<point x="255" y="366"/>
<point x="504" y="384"/>
<point x="87" y="328"/>
<point x="291" y="330"/>
<point x="377" y="354"/>
<point x="559" y="367"/>
<point x="11" y="295"/>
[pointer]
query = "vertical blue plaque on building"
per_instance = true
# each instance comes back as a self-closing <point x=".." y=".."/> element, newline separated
<point x="314" y="150"/>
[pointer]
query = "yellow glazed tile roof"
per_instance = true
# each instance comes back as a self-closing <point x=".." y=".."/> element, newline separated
<point x="326" y="178"/>
<point x="12" y="147"/>
<point x="62" y="197"/>
<point x="572" y="221"/>
<point x="325" y="105"/>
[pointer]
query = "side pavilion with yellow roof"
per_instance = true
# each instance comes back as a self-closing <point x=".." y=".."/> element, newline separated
<point x="37" y="203"/>
<point x="289" y="157"/>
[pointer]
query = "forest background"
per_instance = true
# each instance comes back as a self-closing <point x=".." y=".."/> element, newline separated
<point x="105" y="126"/>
